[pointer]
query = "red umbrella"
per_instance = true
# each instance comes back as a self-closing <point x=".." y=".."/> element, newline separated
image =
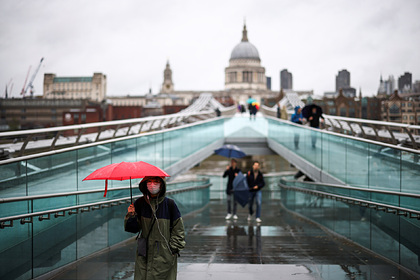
<point x="126" y="170"/>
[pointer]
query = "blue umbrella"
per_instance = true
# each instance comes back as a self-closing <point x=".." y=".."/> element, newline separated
<point x="230" y="151"/>
<point x="240" y="189"/>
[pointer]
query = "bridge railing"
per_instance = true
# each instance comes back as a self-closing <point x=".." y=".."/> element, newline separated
<point x="331" y="157"/>
<point x="369" y="217"/>
<point x="47" y="139"/>
<point x="45" y="232"/>
<point x="22" y="142"/>
<point x="387" y="132"/>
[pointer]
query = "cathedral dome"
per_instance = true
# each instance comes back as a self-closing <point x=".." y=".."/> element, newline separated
<point x="245" y="50"/>
<point x="245" y="70"/>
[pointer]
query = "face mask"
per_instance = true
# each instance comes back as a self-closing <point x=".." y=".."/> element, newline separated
<point x="153" y="187"/>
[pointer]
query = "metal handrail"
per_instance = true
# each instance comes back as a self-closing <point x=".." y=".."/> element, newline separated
<point x="196" y="112"/>
<point x="101" y="142"/>
<point x="28" y="135"/>
<point x="410" y="213"/>
<point x="60" y="212"/>
<point x="385" y="144"/>
<point x="347" y="187"/>
<point x="41" y="196"/>
<point x="357" y="120"/>
<point x="414" y="139"/>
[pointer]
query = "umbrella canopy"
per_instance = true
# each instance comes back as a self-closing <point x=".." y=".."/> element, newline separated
<point x="240" y="189"/>
<point x="124" y="171"/>
<point x="307" y="110"/>
<point x="251" y="100"/>
<point x="230" y="151"/>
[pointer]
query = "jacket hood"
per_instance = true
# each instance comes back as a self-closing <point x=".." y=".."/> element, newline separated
<point x="296" y="109"/>
<point x="143" y="186"/>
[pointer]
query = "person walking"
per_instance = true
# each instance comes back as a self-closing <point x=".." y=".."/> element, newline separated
<point x="297" y="118"/>
<point x="314" y="121"/>
<point x="283" y="113"/>
<point x="255" y="180"/>
<point x="162" y="231"/>
<point x="231" y="172"/>
<point x="252" y="107"/>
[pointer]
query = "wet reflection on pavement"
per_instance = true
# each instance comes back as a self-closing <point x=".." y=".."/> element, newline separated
<point x="283" y="246"/>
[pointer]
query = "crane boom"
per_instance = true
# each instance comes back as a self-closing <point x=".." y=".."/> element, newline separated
<point x="30" y="84"/>
<point x="26" y="79"/>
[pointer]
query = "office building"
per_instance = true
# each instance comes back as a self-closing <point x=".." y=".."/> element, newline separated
<point x="286" y="79"/>
<point x="342" y="80"/>
<point x="405" y="83"/>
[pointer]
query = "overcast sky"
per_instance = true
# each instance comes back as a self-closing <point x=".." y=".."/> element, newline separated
<point x="130" y="41"/>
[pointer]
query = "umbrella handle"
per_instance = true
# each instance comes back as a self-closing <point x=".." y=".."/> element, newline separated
<point x="106" y="187"/>
<point x="131" y="192"/>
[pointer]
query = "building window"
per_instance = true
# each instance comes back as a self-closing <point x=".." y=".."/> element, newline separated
<point x="232" y="77"/>
<point x="83" y="118"/>
<point x="332" y="111"/>
<point x="402" y="104"/>
<point x="394" y="109"/>
<point x="260" y="77"/>
<point x="411" y="118"/>
<point x="76" y="118"/>
<point x="409" y="105"/>
<point x="247" y="76"/>
<point x="405" y="118"/>
<point x="352" y="113"/>
<point x="343" y="112"/>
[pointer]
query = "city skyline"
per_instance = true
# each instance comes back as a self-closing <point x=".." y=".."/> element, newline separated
<point x="130" y="42"/>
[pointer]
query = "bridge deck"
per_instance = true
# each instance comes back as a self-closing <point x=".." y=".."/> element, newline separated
<point x="283" y="246"/>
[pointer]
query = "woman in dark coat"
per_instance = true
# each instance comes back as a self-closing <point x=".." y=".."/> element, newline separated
<point x="160" y="223"/>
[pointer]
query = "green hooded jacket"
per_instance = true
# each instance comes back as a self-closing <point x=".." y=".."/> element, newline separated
<point x="166" y="237"/>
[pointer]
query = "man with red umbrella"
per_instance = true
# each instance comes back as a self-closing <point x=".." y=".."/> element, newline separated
<point x="162" y="231"/>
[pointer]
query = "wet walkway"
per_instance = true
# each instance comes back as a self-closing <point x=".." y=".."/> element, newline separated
<point x="283" y="246"/>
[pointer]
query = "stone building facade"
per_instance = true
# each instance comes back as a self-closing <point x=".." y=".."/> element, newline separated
<point x="245" y="70"/>
<point x="402" y="108"/>
<point x="90" y="88"/>
<point x="39" y="112"/>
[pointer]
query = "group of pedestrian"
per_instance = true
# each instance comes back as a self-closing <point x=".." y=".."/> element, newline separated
<point x="255" y="182"/>
<point x="158" y="221"/>
<point x="313" y="116"/>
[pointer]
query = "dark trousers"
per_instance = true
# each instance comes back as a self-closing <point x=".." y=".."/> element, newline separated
<point x="230" y="197"/>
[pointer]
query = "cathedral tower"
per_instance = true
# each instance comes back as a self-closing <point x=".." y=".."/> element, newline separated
<point x="168" y="85"/>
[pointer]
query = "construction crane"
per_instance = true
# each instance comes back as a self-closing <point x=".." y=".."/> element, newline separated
<point x="26" y="79"/>
<point x="30" y="84"/>
<point x="9" y="88"/>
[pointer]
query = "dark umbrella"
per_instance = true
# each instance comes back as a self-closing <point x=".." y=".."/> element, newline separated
<point x="240" y="189"/>
<point x="124" y="171"/>
<point x="230" y="151"/>
<point x="307" y="110"/>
